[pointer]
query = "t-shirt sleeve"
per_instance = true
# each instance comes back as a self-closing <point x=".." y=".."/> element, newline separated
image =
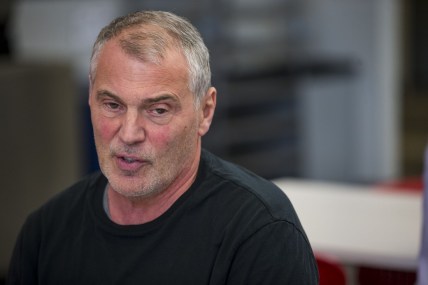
<point x="278" y="253"/>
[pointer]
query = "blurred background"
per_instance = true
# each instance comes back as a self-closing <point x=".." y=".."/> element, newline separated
<point x="331" y="90"/>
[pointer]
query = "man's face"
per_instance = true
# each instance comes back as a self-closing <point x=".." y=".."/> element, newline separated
<point x="146" y="127"/>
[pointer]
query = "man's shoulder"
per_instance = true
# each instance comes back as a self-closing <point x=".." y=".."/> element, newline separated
<point x="260" y="191"/>
<point x="71" y="196"/>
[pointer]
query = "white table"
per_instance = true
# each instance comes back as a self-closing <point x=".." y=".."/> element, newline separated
<point x="359" y="225"/>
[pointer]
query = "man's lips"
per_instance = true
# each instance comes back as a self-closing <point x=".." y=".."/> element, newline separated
<point x="129" y="162"/>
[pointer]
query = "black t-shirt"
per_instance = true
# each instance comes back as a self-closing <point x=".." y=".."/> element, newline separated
<point x="230" y="227"/>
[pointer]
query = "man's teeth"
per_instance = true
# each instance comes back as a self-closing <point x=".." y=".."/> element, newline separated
<point x="129" y="159"/>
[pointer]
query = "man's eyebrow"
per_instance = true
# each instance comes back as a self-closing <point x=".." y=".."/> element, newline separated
<point x="164" y="97"/>
<point x="104" y="93"/>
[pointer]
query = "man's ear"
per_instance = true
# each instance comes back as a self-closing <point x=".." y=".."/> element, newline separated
<point x="207" y="108"/>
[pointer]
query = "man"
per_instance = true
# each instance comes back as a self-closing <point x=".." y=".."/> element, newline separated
<point x="162" y="211"/>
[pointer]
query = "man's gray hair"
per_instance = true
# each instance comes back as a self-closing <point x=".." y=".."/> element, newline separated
<point x="148" y="36"/>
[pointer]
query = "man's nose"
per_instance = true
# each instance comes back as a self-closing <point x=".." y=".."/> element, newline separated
<point x="132" y="129"/>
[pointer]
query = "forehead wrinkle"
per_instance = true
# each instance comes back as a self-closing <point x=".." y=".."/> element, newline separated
<point x="169" y="74"/>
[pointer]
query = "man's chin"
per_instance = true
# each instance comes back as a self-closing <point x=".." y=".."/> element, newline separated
<point x="132" y="189"/>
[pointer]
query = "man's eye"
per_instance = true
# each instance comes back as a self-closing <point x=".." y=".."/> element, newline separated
<point x="159" y="111"/>
<point x="160" y="114"/>
<point x="112" y="106"/>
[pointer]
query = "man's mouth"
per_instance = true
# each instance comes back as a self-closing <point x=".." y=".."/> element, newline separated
<point x="128" y="159"/>
<point x="129" y="163"/>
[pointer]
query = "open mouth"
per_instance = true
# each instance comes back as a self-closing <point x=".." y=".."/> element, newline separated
<point x="129" y="163"/>
<point x="128" y="159"/>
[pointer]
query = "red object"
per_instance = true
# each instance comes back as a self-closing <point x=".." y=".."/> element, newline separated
<point x="378" y="276"/>
<point x="406" y="184"/>
<point x="330" y="271"/>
